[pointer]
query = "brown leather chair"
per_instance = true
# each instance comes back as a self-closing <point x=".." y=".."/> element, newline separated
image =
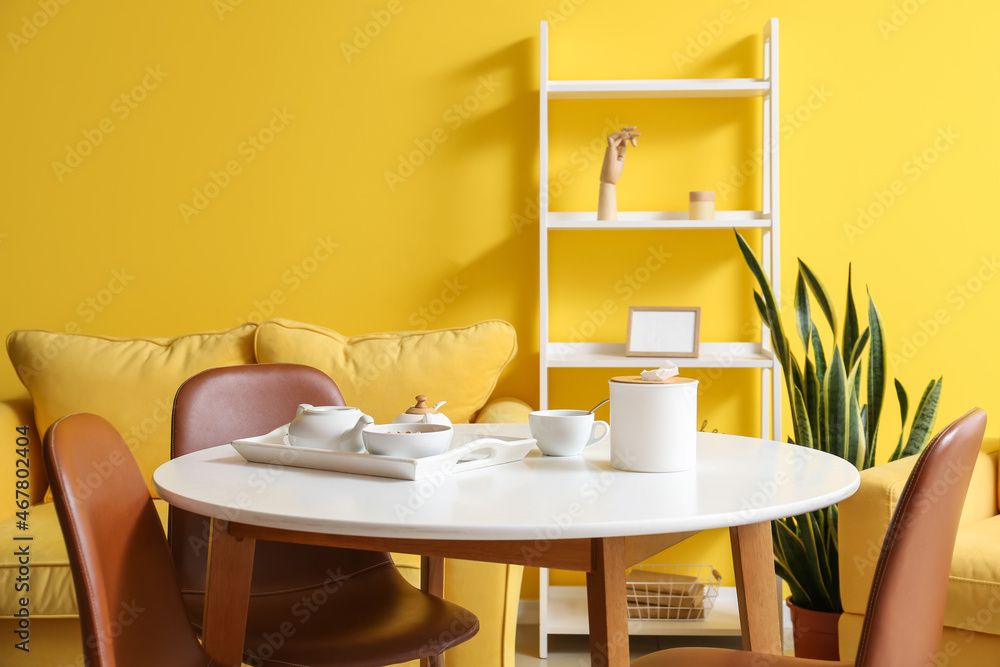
<point x="905" y="614"/>
<point x="131" y="612"/>
<point x="309" y="605"/>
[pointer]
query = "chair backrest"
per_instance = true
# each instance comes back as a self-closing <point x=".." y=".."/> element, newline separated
<point x="131" y="611"/>
<point x="905" y="616"/>
<point x="220" y="405"/>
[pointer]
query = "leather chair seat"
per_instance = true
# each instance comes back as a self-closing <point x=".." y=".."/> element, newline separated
<point x="301" y="624"/>
<point x="711" y="657"/>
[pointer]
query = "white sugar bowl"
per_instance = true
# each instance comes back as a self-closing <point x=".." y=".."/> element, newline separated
<point x="421" y="413"/>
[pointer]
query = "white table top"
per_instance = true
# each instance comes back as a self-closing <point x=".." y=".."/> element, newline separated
<point x="737" y="481"/>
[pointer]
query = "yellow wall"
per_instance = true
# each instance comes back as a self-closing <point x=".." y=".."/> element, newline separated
<point x="872" y="85"/>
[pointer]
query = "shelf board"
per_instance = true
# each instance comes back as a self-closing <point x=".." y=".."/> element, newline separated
<point x="656" y="88"/>
<point x="568" y="616"/>
<point x="658" y="220"/>
<point x="612" y="355"/>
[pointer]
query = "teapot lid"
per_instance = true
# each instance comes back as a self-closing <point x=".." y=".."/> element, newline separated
<point x="421" y="408"/>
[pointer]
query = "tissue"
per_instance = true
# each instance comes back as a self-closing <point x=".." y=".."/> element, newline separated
<point x="664" y="372"/>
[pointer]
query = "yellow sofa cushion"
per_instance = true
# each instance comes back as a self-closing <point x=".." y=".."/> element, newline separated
<point x="382" y="372"/>
<point x="52" y="594"/>
<point x="973" y="601"/>
<point x="974" y="584"/>
<point x="131" y="382"/>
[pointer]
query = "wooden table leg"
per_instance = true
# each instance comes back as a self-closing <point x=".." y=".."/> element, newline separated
<point x="432" y="575"/>
<point x="606" y="604"/>
<point x="753" y="559"/>
<point x="432" y="581"/>
<point x="227" y="594"/>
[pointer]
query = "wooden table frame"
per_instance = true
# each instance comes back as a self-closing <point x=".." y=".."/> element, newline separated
<point x="230" y="563"/>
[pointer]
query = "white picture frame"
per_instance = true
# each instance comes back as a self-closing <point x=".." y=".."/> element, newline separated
<point x="655" y="331"/>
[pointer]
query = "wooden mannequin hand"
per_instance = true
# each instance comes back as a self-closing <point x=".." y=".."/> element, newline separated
<point x="614" y="155"/>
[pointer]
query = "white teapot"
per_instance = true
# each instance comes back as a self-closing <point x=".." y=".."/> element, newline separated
<point x="335" y="427"/>
<point x="421" y="413"/>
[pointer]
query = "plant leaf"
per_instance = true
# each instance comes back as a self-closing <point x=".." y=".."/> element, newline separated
<point x="856" y="445"/>
<point x="819" y="354"/>
<point x="761" y="307"/>
<point x="803" y="427"/>
<point x="778" y="340"/>
<point x="803" y="318"/>
<point x="923" y="419"/>
<point x="859" y="346"/>
<point x="836" y="408"/>
<point x="813" y="397"/>
<point x="811" y="542"/>
<point x="820" y="527"/>
<point x="876" y="375"/>
<point x="834" y="551"/>
<point x="798" y="564"/>
<point x="822" y="297"/>
<point x="783" y="569"/>
<point x="904" y="402"/>
<point x="850" y="320"/>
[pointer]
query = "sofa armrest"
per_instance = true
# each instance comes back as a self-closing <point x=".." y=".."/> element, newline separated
<point x="865" y="516"/>
<point x="14" y="413"/>
<point x="504" y="411"/>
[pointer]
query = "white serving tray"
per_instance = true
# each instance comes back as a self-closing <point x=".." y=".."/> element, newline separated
<point x="468" y="451"/>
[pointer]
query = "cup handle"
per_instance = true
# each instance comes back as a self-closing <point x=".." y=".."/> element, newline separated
<point x="593" y="433"/>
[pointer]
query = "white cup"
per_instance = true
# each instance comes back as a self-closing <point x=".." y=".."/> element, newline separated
<point x="565" y="432"/>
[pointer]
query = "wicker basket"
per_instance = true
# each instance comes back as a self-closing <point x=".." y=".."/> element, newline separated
<point x="671" y="592"/>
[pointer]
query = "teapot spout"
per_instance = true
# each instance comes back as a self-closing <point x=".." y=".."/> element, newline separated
<point x="353" y="440"/>
<point x="302" y="408"/>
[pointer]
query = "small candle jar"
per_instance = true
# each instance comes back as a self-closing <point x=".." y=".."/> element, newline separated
<point x="702" y="205"/>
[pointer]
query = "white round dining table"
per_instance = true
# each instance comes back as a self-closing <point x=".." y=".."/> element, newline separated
<point x="574" y="513"/>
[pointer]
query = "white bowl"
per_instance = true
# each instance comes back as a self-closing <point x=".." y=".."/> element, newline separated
<point x="410" y="441"/>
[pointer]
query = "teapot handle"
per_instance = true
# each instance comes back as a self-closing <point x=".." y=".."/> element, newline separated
<point x="302" y="408"/>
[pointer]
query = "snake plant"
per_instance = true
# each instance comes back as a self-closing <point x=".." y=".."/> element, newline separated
<point x="830" y="413"/>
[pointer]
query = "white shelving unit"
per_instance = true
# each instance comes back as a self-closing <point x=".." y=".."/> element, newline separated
<point x="560" y="607"/>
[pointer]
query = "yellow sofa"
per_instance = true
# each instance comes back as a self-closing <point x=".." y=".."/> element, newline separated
<point x="132" y="381"/>
<point x="972" y="615"/>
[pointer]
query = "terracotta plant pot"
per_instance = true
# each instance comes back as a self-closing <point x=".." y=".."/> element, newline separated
<point x="816" y="634"/>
